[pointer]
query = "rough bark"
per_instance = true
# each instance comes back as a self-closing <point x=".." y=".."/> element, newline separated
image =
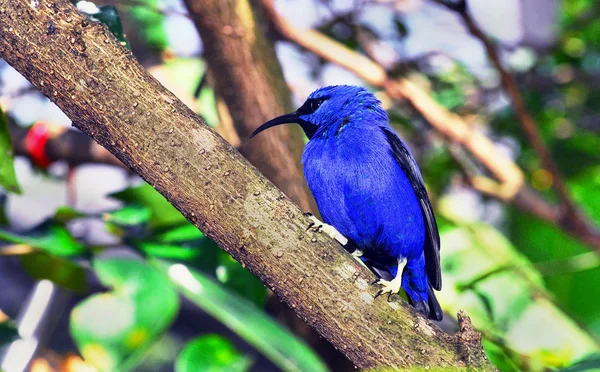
<point x="234" y="41"/>
<point x="250" y="82"/>
<point x="109" y="96"/>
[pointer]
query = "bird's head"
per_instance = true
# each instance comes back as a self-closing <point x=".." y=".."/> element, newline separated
<point x="330" y="109"/>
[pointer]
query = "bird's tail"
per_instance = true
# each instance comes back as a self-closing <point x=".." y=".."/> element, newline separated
<point x="430" y="308"/>
<point x="435" y="310"/>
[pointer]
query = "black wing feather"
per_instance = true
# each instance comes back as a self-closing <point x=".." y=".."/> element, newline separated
<point x="432" y="238"/>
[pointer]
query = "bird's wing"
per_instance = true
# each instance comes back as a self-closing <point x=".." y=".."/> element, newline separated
<point x="432" y="239"/>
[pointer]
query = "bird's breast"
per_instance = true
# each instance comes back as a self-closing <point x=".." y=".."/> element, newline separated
<point x="361" y="190"/>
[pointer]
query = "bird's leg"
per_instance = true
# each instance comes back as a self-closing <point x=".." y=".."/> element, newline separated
<point x="357" y="253"/>
<point x="392" y="286"/>
<point x="319" y="226"/>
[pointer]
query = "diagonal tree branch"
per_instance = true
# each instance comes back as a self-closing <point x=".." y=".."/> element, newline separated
<point x="511" y="186"/>
<point x="81" y="67"/>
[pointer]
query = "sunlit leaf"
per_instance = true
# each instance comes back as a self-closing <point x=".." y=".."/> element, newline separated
<point x="50" y="237"/>
<point x="163" y="213"/>
<point x="129" y="215"/>
<point x="8" y="177"/>
<point x="244" y="318"/>
<point x="113" y="330"/>
<point x="61" y="272"/>
<point x="210" y="353"/>
<point x="166" y="250"/>
<point x="186" y="232"/>
<point x="150" y="23"/>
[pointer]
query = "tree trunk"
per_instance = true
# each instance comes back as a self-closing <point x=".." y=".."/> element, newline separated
<point x="250" y="80"/>
<point x="109" y="96"/>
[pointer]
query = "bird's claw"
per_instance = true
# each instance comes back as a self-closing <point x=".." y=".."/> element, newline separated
<point x="357" y="253"/>
<point x="318" y="226"/>
<point x="391" y="287"/>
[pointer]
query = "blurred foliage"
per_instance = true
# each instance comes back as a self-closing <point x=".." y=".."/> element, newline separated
<point x="210" y="353"/>
<point x="50" y="236"/>
<point x="64" y="273"/>
<point x="150" y="23"/>
<point x="162" y="213"/>
<point x="245" y="319"/>
<point x="113" y="330"/>
<point x="8" y="178"/>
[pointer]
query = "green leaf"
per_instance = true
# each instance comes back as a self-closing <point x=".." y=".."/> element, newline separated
<point x="591" y="363"/>
<point x="499" y="357"/>
<point x="113" y="330"/>
<point x="50" y="237"/>
<point x="150" y="23"/>
<point x="210" y="353"/>
<point x="165" y="250"/>
<point x="485" y="275"/>
<point x="401" y="28"/>
<point x="186" y="232"/>
<point x="163" y="213"/>
<point x="130" y="215"/>
<point x="8" y="333"/>
<point x="62" y="272"/>
<point x="8" y="177"/>
<point x="244" y="318"/>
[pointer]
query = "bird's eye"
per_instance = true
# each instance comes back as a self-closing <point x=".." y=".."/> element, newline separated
<point x="314" y="104"/>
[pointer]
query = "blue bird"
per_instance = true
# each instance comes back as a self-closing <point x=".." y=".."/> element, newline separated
<point x="369" y="189"/>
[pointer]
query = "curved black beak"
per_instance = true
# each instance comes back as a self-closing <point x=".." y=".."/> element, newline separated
<point x="283" y="119"/>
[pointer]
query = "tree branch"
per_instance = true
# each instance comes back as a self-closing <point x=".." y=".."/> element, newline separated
<point x="82" y="68"/>
<point x="511" y="186"/>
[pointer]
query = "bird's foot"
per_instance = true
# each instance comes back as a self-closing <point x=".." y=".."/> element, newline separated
<point x="392" y="286"/>
<point x="389" y="286"/>
<point x="357" y="253"/>
<point x="318" y="226"/>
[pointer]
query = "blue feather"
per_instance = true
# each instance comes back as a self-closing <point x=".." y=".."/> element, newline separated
<point x="368" y="186"/>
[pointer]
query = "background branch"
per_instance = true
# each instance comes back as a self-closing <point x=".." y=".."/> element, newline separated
<point x="568" y="215"/>
<point x="71" y="146"/>
<point x="232" y="42"/>
<point x="88" y="74"/>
